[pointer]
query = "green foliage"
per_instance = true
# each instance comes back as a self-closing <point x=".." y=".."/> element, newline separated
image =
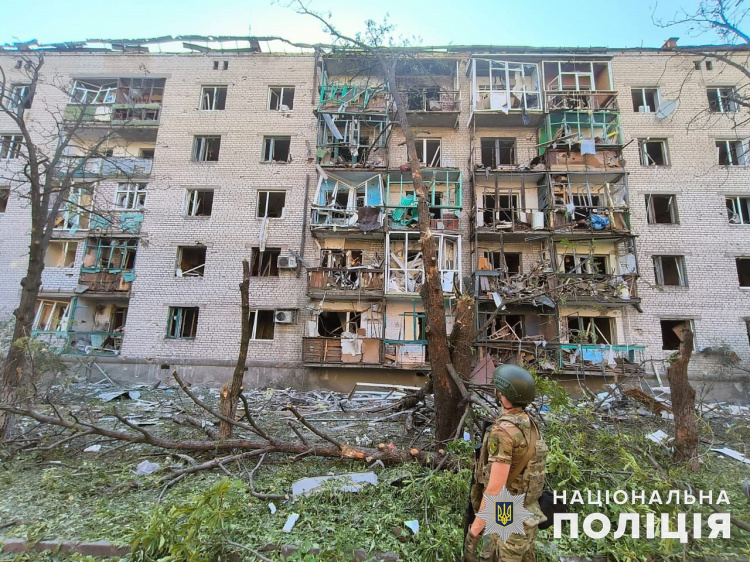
<point x="550" y="393"/>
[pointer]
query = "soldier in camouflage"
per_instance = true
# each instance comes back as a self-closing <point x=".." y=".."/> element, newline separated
<point x="505" y="446"/>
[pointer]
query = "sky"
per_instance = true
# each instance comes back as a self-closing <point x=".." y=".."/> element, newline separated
<point x="538" y="23"/>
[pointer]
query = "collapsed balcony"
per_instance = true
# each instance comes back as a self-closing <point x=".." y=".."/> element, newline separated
<point x="348" y="202"/>
<point x="352" y="141"/>
<point x="581" y="141"/>
<point x="504" y="93"/>
<point x="123" y="101"/>
<point x="81" y="326"/>
<point x="580" y="203"/>
<point x="444" y="190"/>
<point x="108" y="265"/>
<point x="405" y="264"/>
<point x="509" y="206"/>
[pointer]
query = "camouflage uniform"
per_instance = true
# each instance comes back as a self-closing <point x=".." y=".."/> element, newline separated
<point x="506" y="441"/>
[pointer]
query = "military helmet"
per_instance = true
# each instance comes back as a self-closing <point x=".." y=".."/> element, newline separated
<point x="515" y="383"/>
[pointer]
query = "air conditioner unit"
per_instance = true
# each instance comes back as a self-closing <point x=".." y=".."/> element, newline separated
<point x="286" y="262"/>
<point x="283" y="316"/>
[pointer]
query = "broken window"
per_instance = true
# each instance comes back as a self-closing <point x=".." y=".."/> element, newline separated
<point x="340" y="259"/>
<point x="743" y="271"/>
<point x="206" y="149"/>
<point x="645" y="100"/>
<point x="333" y="323"/>
<point x="721" y="100"/>
<point x="670" y="271"/>
<point x="428" y="152"/>
<point x="505" y="327"/>
<point x="281" y="98"/>
<point x="51" y="316"/>
<point x="276" y="149"/>
<point x="661" y="209"/>
<point x="261" y="324"/>
<point x="4" y="196"/>
<point x="74" y="213"/>
<point x="94" y="92"/>
<point x="560" y="76"/>
<point x="590" y="330"/>
<point x="140" y="91"/>
<point x="146" y="153"/>
<point x="271" y="204"/>
<point x="60" y="253"/>
<point x="654" y="152"/>
<point x="509" y="262"/>
<point x="130" y="196"/>
<point x="504" y="86"/>
<point x="738" y="210"/>
<point x="405" y="263"/>
<point x="20" y="97"/>
<point x="191" y="261"/>
<point x="263" y="263"/>
<point x="213" y="98"/>
<point x="111" y="254"/>
<point x="182" y="322"/>
<point x="345" y="139"/>
<point x="199" y="202"/>
<point x="500" y="209"/>
<point x="731" y="152"/>
<point x="10" y="146"/>
<point x="585" y="265"/>
<point x="672" y="333"/>
<point x="498" y="152"/>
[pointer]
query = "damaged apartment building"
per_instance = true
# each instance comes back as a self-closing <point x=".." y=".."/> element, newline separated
<point x="598" y="197"/>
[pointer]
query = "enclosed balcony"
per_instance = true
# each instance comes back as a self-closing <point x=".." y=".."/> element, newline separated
<point x="444" y="191"/>
<point x="405" y="263"/>
<point x="353" y="99"/>
<point x="349" y="282"/>
<point x="582" y="141"/>
<point x="504" y="93"/>
<point x="108" y="265"/>
<point x="348" y="203"/>
<point x="432" y="106"/>
<point x="508" y="204"/>
<point x="120" y="101"/>
<point x="104" y="167"/>
<point x="352" y="141"/>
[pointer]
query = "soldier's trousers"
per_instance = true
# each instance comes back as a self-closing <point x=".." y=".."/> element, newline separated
<point x="518" y="548"/>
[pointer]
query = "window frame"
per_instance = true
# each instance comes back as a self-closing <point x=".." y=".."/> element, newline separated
<point x="645" y="157"/>
<point x="267" y="193"/>
<point x="672" y="205"/>
<point x="737" y="260"/>
<point x="191" y="203"/>
<point x="280" y="98"/>
<point x="4" y="198"/>
<point x="66" y="247"/>
<point x="718" y="105"/>
<point x="257" y="255"/>
<point x="201" y="147"/>
<point x="438" y="154"/>
<point x="657" y="99"/>
<point x="132" y="192"/>
<point x="24" y="99"/>
<point x="200" y="269"/>
<point x="11" y="151"/>
<point x="734" y="149"/>
<point x="254" y="324"/>
<point x="737" y="209"/>
<point x="215" y="98"/>
<point x="270" y="150"/>
<point x="176" y="313"/>
<point x="61" y="324"/>
<point x="659" y="270"/>
<point x="497" y="150"/>
<point x="691" y="326"/>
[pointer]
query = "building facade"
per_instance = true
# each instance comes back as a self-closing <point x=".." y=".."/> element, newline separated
<point x="601" y="196"/>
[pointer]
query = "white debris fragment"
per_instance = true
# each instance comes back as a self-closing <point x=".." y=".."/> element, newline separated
<point x="146" y="468"/>
<point x="658" y="437"/>
<point x="272" y="508"/>
<point x="413" y="525"/>
<point x="92" y="449"/>
<point x="351" y="482"/>
<point x="290" y="521"/>
<point x="731" y="453"/>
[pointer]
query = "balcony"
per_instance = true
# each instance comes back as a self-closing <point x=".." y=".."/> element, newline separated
<point x="131" y="102"/>
<point x="405" y="264"/>
<point x="604" y="290"/>
<point x="432" y="107"/>
<point x="505" y="93"/>
<point x="582" y="141"/>
<point x="354" y="282"/>
<point x="567" y="100"/>
<point x="444" y="192"/>
<point x="352" y="141"/>
<point x="109" y="167"/>
<point x="81" y="343"/>
<point x="507" y="219"/>
<point x="105" y="282"/>
<point x="342" y="352"/>
<point x="348" y="203"/>
<point x="340" y="99"/>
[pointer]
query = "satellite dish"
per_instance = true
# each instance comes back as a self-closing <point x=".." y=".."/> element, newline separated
<point x="666" y="108"/>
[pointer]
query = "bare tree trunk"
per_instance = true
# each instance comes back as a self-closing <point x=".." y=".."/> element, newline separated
<point x="230" y="392"/>
<point x="14" y="372"/>
<point x="683" y="405"/>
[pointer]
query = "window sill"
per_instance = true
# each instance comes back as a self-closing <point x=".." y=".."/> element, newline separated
<point x="168" y="338"/>
<point x="744" y="288"/>
<point x="663" y="224"/>
<point x="674" y="287"/>
<point x="261" y="341"/>
<point x="274" y="162"/>
<point x="196" y="217"/>
<point x="205" y="162"/>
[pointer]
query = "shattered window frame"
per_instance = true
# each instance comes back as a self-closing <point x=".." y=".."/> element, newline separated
<point x="199" y="270"/>
<point x="20" y="97"/>
<point x="587" y="332"/>
<point x="182" y="322"/>
<point x="269" y="149"/>
<point x="206" y="148"/>
<point x="131" y="196"/>
<point x="264" y="200"/>
<point x="113" y="255"/>
<point x="56" y="320"/>
<point x="738" y="209"/>
<point x="498" y="81"/>
<point x="721" y="99"/>
<point x="422" y="144"/>
<point x="75" y="213"/>
<point x="65" y="258"/>
<point x="651" y="215"/>
<point x="195" y="204"/>
<point x="96" y="92"/>
<point x="647" y="158"/>
<point x="496" y="148"/>
<point x="667" y="326"/>
<point x="255" y="317"/>
<point x="743" y="271"/>
<point x="678" y="266"/>
<point x="212" y="97"/>
<point x="279" y="94"/>
<point x="732" y="152"/>
<point x="644" y="94"/>
<point x="262" y="261"/>
<point x="10" y="147"/>
<point x="4" y="198"/>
